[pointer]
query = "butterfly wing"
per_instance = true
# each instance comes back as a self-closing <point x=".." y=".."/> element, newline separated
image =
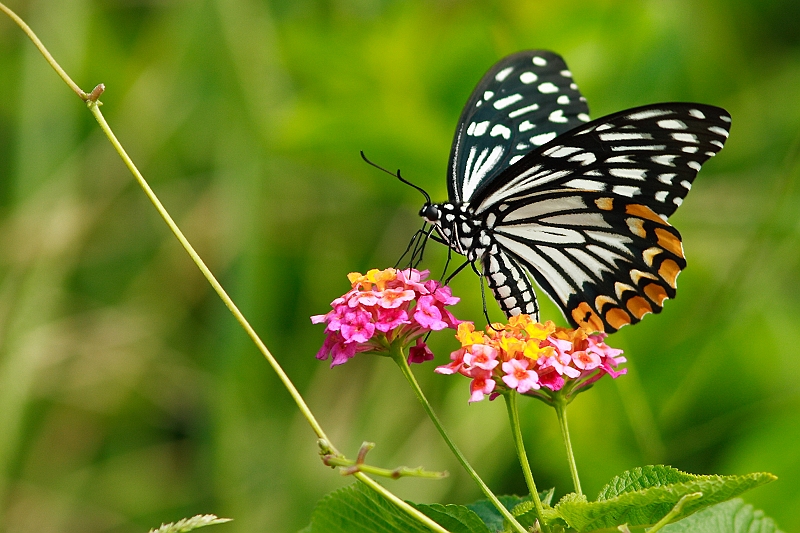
<point x="648" y="154"/>
<point x="524" y="101"/>
<point x="586" y="213"/>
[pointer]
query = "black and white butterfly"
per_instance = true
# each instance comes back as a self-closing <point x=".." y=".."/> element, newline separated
<point x="582" y="206"/>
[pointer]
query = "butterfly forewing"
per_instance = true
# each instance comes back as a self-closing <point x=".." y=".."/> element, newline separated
<point x="523" y="102"/>
<point x="649" y="155"/>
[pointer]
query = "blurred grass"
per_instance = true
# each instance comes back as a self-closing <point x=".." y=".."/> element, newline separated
<point x="128" y="396"/>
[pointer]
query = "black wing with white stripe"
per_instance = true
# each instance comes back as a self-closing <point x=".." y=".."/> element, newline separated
<point x="649" y="155"/>
<point x="605" y="262"/>
<point x="523" y="102"/>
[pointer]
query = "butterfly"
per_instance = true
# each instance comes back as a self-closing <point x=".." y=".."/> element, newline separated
<point x="535" y="187"/>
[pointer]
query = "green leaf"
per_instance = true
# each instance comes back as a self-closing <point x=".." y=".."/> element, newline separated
<point x="733" y="516"/>
<point x="455" y="518"/>
<point x="643" y="496"/>
<point x="490" y="515"/>
<point x="188" y="524"/>
<point x="357" y="509"/>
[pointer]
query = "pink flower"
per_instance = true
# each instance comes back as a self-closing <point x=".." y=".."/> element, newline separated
<point x="428" y="315"/>
<point x="539" y="360"/>
<point x="519" y="377"/>
<point x="481" y="356"/>
<point x="419" y="353"/>
<point x="386" y="307"/>
<point x="456" y="364"/>
<point x="480" y="386"/>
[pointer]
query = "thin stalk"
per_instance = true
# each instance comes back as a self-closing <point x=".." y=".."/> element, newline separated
<point x="513" y="417"/>
<point x="560" y="405"/>
<point x="93" y="104"/>
<point x="49" y="58"/>
<point x="301" y="404"/>
<point x="400" y="358"/>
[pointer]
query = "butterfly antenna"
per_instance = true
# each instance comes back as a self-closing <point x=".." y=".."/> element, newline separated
<point x="398" y="176"/>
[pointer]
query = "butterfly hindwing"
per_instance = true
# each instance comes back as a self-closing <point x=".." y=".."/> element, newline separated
<point x="524" y="101"/>
<point x="604" y="261"/>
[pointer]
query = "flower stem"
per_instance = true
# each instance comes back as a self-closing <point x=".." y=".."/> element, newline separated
<point x="560" y="405"/>
<point x="94" y="106"/>
<point x="400" y="358"/>
<point x="513" y="417"/>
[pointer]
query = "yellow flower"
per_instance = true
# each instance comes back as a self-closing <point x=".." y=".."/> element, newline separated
<point x="468" y="336"/>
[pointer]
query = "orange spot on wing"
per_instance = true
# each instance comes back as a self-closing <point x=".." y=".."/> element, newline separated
<point x="669" y="242"/>
<point x="642" y="211"/>
<point x="617" y="318"/>
<point x="620" y="288"/>
<point x="656" y="293"/>
<point x="669" y="271"/>
<point x="636" y="225"/>
<point x="638" y="306"/>
<point x="606" y="204"/>
<point x="602" y="300"/>
<point x="586" y="318"/>
<point x="650" y="253"/>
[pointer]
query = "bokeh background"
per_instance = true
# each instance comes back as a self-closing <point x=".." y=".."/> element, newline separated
<point x="129" y="396"/>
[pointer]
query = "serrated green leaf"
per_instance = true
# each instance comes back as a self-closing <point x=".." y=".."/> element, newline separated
<point x="454" y="518"/>
<point x="525" y="512"/>
<point x="356" y="509"/>
<point x="643" y="496"/>
<point x="733" y="516"/>
<point x="642" y="478"/>
<point x="188" y="524"/>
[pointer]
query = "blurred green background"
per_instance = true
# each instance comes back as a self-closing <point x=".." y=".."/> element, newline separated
<point x="128" y="395"/>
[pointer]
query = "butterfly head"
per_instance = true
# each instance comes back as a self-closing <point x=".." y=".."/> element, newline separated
<point x="431" y="213"/>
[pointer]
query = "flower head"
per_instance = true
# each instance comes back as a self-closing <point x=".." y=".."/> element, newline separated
<point x="536" y="359"/>
<point x="385" y="307"/>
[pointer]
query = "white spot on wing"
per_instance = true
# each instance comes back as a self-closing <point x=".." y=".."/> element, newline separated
<point x="631" y="173"/>
<point x="718" y="131"/>
<point x="696" y="113"/>
<point x="499" y="129"/>
<point x="543" y="138"/>
<point x="694" y="165"/>
<point x="503" y="74"/>
<point x="479" y="129"/>
<point x="586" y="158"/>
<point x="686" y="184"/>
<point x="666" y="178"/>
<point x="665" y="160"/>
<point x="539" y="61"/>
<point x="507" y="101"/>
<point x="625" y="136"/>
<point x="561" y="151"/>
<point x="591" y="185"/>
<point x="514" y="159"/>
<point x="649" y="113"/>
<point x="557" y="116"/>
<point x="528" y="77"/>
<point x="661" y="196"/>
<point x="487" y="95"/>
<point x="563" y="99"/>
<point x="548" y="88"/>
<point x="523" y="110"/>
<point x="526" y="125"/>
<point x="583" y="117"/>
<point x="671" y="124"/>
<point x="685" y="137"/>
<point x="626" y="190"/>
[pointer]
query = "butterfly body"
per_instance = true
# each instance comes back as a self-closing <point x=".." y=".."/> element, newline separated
<point x="582" y="206"/>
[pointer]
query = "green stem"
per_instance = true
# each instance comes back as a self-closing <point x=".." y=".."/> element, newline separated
<point x="400" y="358"/>
<point x="94" y="106"/>
<point x="560" y="404"/>
<point x="513" y="417"/>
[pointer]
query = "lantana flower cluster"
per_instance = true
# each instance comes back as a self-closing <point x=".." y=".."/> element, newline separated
<point x="386" y="307"/>
<point x="531" y="358"/>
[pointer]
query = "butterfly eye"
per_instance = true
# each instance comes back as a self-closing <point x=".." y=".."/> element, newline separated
<point x="430" y="213"/>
